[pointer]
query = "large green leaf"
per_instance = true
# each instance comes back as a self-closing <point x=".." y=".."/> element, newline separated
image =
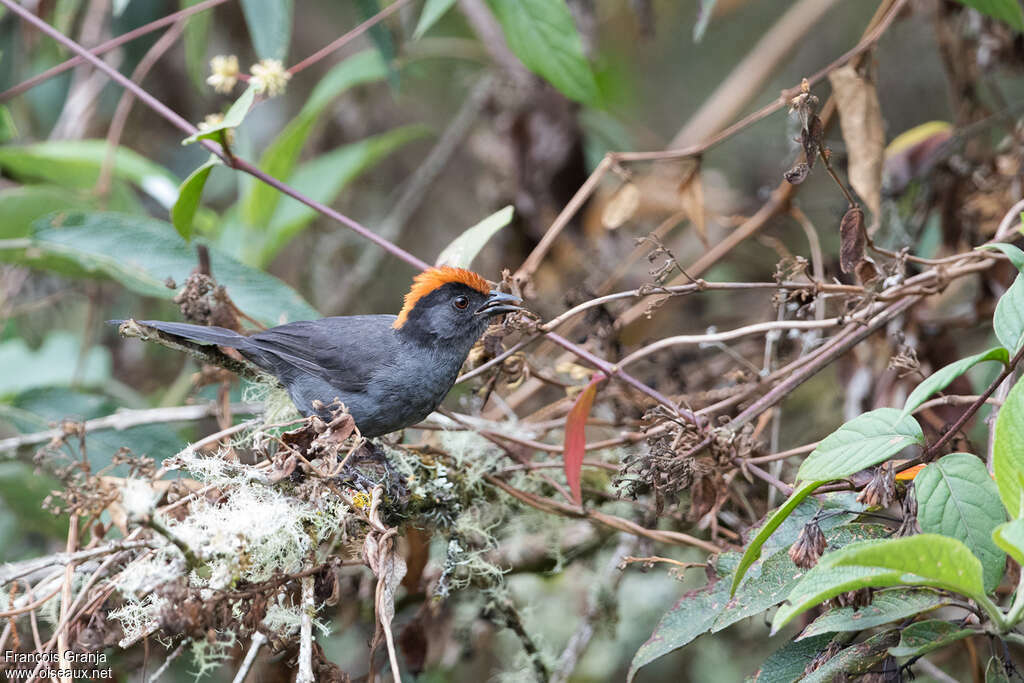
<point x="1007" y="454"/>
<point x="921" y="560"/>
<point x="693" y="615"/>
<point x="55" y="363"/>
<point x="1008" y="320"/>
<point x="322" y="179"/>
<point x="753" y="550"/>
<point x="924" y="636"/>
<point x="544" y="37"/>
<point x="142" y="253"/>
<point x="191" y="192"/>
<point x="864" y="441"/>
<point x="886" y="606"/>
<point x="956" y="497"/>
<point x="1004" y="10"/>
<point x="21" y="206"/>
<point x="270" y="26"/>
<point x="197" y="32"/>
<point x="279" y="158"/>
<point x="432" y="11"/>
<point x="942" y="378"/>
<point x="464" y="248"/>
<point x="77" y="163"/>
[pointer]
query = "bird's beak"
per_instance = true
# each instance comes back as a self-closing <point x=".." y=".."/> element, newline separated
<point x="499" y="302"/>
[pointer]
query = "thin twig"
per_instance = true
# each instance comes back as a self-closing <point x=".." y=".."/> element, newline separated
<point x="258" y="640"/>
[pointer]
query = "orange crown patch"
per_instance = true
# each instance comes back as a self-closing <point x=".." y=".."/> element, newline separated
<point x="432" y="278"/>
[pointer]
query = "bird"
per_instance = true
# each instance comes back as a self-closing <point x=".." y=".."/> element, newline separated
<point x="389" y="371"/>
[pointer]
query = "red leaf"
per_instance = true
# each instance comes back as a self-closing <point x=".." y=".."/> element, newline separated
<point x="576" y="437"/>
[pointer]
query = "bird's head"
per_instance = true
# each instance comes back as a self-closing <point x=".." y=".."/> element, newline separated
<point x="451" y="303"/>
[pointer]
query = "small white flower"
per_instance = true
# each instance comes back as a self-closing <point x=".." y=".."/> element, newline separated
<point x="269" y="77"/>
<point x="223" y="73"/>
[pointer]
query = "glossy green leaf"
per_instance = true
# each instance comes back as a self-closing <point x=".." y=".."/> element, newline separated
<point x="854" y="660"/>
<point x="789" y="662"/>
<point x="1010" y="537"/>
<point x="270" y="26"/>
<point x="924" y="636"/>
<point x="76" y="163"/>
<point x="233" y="118"/>
<point x="886" y="606"/>
<point x="322" y="179"/>
<point x="195" y="39"/>
<point x="542" y="34"/>
<point x="921" y="560"/>
<point x="1008" y="320"/>
<point x="432" y="11"/>
<point x="278" y="160"/>
<point x="864" y="441"/>
<point x="1007" y="454"/>
<point x="956" y="497"/>
<point x="96" y="243"/>
<point x="1011" y="252"/>
<point x="753" y="550"/>
<point x="1003" y="10"/>
<point x="942" y="378"/>
<point x="461" y="252"/>
<point x="55" y="363"/>
<point x="189" y="195"/>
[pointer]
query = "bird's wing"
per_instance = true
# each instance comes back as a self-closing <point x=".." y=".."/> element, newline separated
<point x="342" y="351"/>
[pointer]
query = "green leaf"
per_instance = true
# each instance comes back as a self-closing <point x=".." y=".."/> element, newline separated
<point x="322" y="179"/>
<point x="96" y="243"/>
<point x="8" y="129"/>
<point x="279" y="158"/>
<point x="544" y="37"/>
<point x="270" y="26"/>
<point x="55" y="363"/>
<point x="465" y="247"/>
<point x="753" y="550"/>
<point x="864" y="441"/>
<point x="924" y="636"/>
<point x="921" y="560"/>
<point x="1007" y="454"/>
<point x="886" y="606"/>
<point x="1011" y="252"/>
<point x="77" y="164"/>
<point x="232" y="119"/>
<point x="1008" y="320"/>
<point x="24" y="490"/>
<point x="1010" y="537"/>
<point x="432" y="11"/>
<point x="1004" y="10"/>
<point x="942" y="378"/>
<point x="692" y="615"/>
<point x="191" y="191"/>
<point x="21" y="206"/>
<point x="854" y="660"/>
<point x="197" y="32"/>
<point x="381" y="37"/>
<point x="956" y="497"/>
<point x="789" y="662"/>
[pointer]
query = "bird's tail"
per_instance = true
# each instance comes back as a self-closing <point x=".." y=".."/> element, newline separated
<point x="198" y="333"/>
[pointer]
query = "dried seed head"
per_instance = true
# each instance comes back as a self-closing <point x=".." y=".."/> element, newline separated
<point x="881" y="489"/>
<point x="809" y="546"/>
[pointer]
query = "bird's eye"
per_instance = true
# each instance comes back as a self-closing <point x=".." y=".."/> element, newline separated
<point x="461" y="302"/>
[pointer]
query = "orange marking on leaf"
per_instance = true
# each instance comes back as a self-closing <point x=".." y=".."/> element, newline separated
<point x="576" y="437"/>
<point x="433" y="278"/>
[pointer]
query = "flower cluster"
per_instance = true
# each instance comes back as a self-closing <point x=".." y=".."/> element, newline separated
<point x="268" y="76"/>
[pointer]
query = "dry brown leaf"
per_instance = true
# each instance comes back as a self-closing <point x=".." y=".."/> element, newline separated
<point x="691" y="200"/>
<point x="851" y="240"/>
<point x="621" y="207"/>
<point x="860" y="117"/>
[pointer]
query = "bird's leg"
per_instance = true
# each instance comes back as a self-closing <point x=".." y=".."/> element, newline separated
<point x="370" y="452"/>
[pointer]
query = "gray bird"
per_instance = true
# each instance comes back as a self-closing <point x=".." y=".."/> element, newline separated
<point x="389" y="371"/>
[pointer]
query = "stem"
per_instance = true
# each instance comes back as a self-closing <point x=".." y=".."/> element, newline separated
<point x="992" y="610"/>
